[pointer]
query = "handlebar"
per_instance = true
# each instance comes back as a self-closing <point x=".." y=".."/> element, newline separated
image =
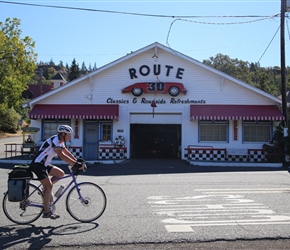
<point x="84" y="169"/>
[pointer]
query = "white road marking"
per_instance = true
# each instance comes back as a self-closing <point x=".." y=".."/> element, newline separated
<point x="243" y="190"/>
<point x="215" y="207"/>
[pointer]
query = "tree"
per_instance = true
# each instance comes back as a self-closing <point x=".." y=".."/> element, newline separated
<point x="9" y="119"/>
<point x="61" y="64"/>
<point x="234" y="67"/>
<point x="49" y="72"/>
<point x="17" y="63"/>
<point x="266" y="79"/>
<point x="95" y="67"/>
<point x="84" y="68"/>
<point x="51" y="63"/>
<point x="74" y="71"/>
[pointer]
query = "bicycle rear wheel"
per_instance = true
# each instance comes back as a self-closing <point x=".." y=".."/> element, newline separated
<point x="86" y="202"/>
<point x="27" y="210"/>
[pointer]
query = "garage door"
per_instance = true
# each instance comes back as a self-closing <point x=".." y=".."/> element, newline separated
<point x="155" y="140"/>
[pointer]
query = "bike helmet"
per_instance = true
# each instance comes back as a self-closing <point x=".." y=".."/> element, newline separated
<point x="64" y="129"/>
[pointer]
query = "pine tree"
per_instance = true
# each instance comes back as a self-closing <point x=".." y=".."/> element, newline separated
<point x="84" y="68"/>
<point x="51" y="63"/>
<point x="61" y="64"/>
<point x="95" y="66"/>
<point x="74" y="71"/>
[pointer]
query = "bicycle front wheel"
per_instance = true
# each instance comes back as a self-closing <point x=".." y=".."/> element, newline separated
<point x="26" y="211"/>
<point x="86" y="202"/>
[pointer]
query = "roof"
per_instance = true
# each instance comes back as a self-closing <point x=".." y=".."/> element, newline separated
<point x="58" y="76"/>
<point x="39" y="89"/>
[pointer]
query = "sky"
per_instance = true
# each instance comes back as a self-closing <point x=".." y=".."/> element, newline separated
<point x="99" y="32"/>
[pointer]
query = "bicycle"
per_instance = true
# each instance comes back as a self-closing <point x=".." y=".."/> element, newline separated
<point x="85" y="201"/>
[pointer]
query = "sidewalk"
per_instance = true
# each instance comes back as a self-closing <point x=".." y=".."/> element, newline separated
<point x="235" y="164"/>
<point x="26" y="160"/>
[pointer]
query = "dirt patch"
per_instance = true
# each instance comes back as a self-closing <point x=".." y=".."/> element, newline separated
<point x="3" y="135"/>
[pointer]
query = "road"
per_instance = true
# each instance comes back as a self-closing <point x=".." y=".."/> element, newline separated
<point x="168" y="204"/>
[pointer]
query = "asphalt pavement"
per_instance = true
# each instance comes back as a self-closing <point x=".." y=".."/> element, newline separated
<point x="128" y="222"/>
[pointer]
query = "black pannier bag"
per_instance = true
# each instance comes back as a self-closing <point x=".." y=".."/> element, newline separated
<point x="17" y="179"/>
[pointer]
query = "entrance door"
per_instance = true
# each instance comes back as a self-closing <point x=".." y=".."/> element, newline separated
<point x="91" y="140"/>
<point x="155" y="140"/>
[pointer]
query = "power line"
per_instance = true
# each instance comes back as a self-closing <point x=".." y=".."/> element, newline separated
<point x="288" y="28"/>
<point x="129" y="13"/>
<point x="269" y="43"/>
<point x="217" y="23"/>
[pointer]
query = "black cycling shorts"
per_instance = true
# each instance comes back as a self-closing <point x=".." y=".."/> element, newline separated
<point x="40" y="170"/>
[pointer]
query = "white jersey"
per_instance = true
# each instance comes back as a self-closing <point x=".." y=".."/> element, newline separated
<point x="46" y="151"/>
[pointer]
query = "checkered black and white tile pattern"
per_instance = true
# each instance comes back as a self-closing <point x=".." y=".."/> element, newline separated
<point x="206" y="154"/>
<point x="237" y="158"/>
<point x="256" y="155"/>
<point x="212" y="154"/>
<point x="104" y="153"/>
<point x="77" y="151"/>
<point x="112" y="153"/>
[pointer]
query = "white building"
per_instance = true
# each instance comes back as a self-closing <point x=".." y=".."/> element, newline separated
<point x="57" y="80"/>
<point x="216" y="117"/>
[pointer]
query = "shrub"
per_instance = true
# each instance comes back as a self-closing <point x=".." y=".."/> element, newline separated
<point x="9" y="119"/>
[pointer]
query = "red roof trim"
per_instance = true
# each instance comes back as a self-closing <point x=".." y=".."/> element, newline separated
<point x="236" y="112"/>
<point x="58" y="111"/>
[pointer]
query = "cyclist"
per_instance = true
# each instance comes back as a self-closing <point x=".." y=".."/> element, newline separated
<point x="42" y="167"/>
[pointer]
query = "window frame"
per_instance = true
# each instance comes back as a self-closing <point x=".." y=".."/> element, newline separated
<point x="57" y="122"/>
<point x="214" y="122"/>
<point x="102" y="134"/>
<point x="257" y="124"/>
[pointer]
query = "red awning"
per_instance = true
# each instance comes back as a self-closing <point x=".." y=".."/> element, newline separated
<point x="235" y="112"/>
<point x="72" y="111"/>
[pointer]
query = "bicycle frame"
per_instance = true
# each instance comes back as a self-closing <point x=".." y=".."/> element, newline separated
<point x="73" y="181"/>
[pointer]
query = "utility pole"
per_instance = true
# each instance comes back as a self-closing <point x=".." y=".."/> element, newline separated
<point x="284" y="7"/>
<point x="283" y="65"/>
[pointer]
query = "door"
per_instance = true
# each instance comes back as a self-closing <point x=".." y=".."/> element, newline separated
<point x="91" y="140"/>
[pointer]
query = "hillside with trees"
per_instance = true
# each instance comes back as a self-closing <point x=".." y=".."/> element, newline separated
<point x="46" y="70"/>
<point x="267" y="79"/>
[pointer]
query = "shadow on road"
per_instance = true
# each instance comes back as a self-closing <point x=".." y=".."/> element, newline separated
<point x="38" y="237"/>
<point x="163" y="166"/>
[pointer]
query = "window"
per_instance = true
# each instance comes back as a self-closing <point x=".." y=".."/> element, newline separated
<point x="213" y="131"/>
<point x="256" y="131"/>
<point x="106" y="132"/>
<point x="50" y="127"/>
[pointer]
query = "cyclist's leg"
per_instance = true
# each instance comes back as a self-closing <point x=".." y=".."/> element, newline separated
<point x="47" y="211"/>
<point x="47" y="187"/>
<point x="41" y="172"/>
<point x="55" y="172"/>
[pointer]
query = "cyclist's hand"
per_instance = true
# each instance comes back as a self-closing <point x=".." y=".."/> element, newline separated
<point x="81" y="160"/>
<point x="79" y="165"/>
